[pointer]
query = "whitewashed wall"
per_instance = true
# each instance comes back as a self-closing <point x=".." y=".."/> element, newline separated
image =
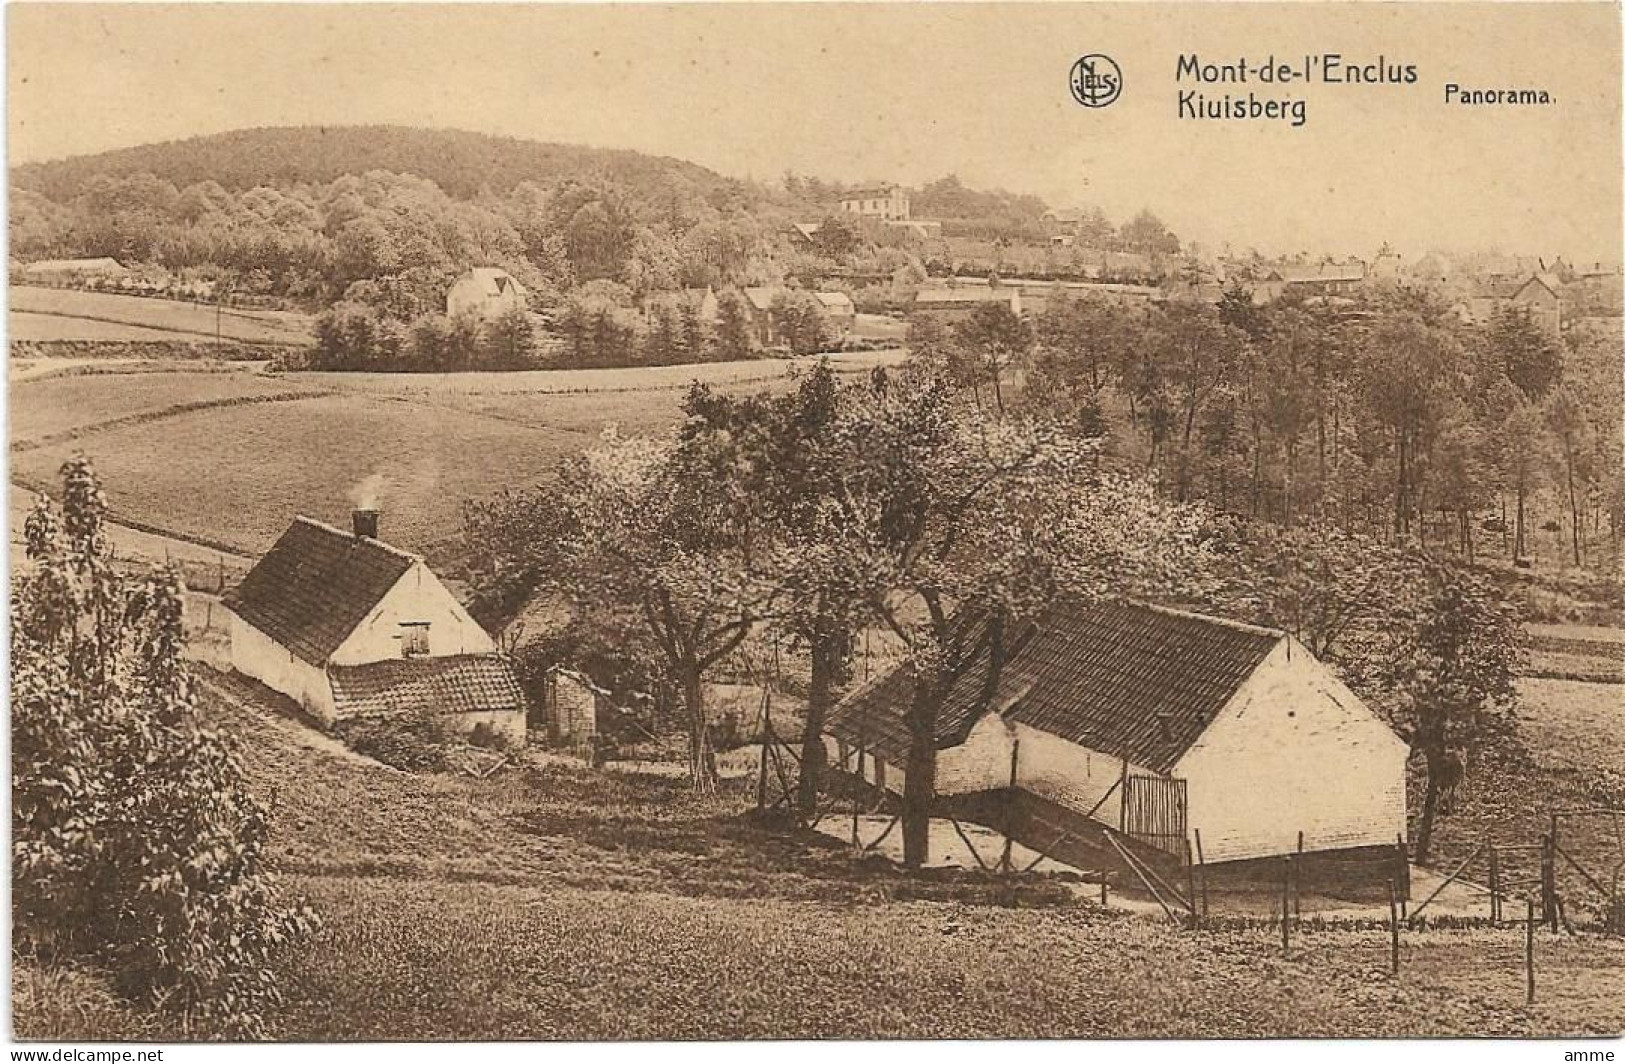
<point x="255" y="654"/>
<point x="1295" y="750"/>
<point x="1071" y="775"/>
<point x="417" y="596"/>
<point x="472" y="295"/>
<point x="980" y="763"/>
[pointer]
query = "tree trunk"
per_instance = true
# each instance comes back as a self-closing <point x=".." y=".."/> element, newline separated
<point x="1574" y="514"/>
<point x="1291" y="476"/>
<point x="1430" y="808"/>
<point x="1519" y="544"/>
<point x="920" y="784"/>
<point x="702" y="761"/>
<point x="1399" y="486"/>
<point x="826" y="656"/>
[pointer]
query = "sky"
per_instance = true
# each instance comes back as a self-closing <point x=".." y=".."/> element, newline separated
<point x="908" y="93"/>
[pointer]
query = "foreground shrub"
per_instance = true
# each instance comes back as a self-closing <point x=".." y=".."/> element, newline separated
<point x="414" y="744"/>
<point x="136" y="845"/>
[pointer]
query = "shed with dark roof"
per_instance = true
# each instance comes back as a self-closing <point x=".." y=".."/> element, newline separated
<point x="1101" y="701"/>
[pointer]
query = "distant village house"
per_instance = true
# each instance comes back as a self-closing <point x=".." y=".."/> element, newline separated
<point x="885" y="203"/>
<point x="486" y="293"/>
<point x="950" y="305"/>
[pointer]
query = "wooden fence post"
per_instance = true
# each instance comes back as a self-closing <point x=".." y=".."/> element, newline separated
<point x="1202" y="861"/>
<point x="1190" y="886"/>
<point x="1548" y="883"/>
<point x="1529" y="950"/>
<point x="1297" y="879"/>
<point x="857" y="789"/>
<point x="1403" y="868"/>
<point x="761" y="778"/>
<point x="1393" y="927"/>
<point x="1006" y="865"/>
<point x="1495" y="886"/>
<point x="1286" y="922"/>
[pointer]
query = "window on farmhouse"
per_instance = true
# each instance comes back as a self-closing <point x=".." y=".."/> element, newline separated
<point x="414" y="639"/>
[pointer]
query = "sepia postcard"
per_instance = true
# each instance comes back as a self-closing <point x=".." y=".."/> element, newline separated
<point x="630" y="522"/>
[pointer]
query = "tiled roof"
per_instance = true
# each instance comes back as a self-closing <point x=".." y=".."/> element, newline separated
<point x="470" y="683"/>
<point x="314" y="586"/>
<point x="494" y="280"/>
<point x="1122" y="679"/>
<point x="1326" y="271"/>
<point x="761" y="298"/>
<point x="872" y="192"/>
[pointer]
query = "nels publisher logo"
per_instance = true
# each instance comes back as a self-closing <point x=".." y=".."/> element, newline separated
<point x="1096" y="81"/>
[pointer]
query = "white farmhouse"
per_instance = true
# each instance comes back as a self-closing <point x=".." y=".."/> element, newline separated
<point x="485" y="292"/>
<point x="1157" y="724"/>
<point x="348" y="626"/>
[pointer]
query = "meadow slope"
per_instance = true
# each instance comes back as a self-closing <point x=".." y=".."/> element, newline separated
<point x="71" y="314"/>
<point x="224" y="456"/>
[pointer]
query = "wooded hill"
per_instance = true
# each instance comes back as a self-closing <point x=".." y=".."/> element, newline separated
<point x="461" y="163"/>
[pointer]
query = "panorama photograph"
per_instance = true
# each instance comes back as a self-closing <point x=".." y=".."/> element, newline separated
<point x="864" y="521"/>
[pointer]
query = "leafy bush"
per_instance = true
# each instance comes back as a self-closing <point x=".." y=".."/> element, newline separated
<point x="414" y="744"/>
<point x="136" y="845"/>
<point x="490" y="737"/>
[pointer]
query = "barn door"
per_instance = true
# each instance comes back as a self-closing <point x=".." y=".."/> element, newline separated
<point x="1154" y="812"/>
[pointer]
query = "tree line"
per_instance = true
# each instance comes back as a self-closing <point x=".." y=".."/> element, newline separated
<point x="1384" y="415"/>
<point x="597" y="326"/>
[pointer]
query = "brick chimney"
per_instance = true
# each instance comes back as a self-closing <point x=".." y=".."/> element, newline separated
<point x="364" y="523"/>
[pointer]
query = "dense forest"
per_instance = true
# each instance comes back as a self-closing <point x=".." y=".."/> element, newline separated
<point x="1385" y="415"/>
<point x="465" y="165"/>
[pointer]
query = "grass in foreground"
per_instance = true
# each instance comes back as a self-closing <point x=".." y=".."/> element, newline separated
<point x="481" y="961"/>
<point x="561" y="903"/>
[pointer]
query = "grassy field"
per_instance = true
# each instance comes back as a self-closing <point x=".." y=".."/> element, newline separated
<point x="642" y="379"/>
<point x="416" y="960"/>
<point x="1574" y="725"/>
<point x="50" y="407"/>
<point x="68" y="314"/>
<point x="253" y="466"/>
<point x="26" y="325"/>
<point x="439" y="440"/>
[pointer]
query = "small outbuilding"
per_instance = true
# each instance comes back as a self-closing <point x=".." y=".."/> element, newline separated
<point x="1157" y="724"/>
<point x="350" y="627"/>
